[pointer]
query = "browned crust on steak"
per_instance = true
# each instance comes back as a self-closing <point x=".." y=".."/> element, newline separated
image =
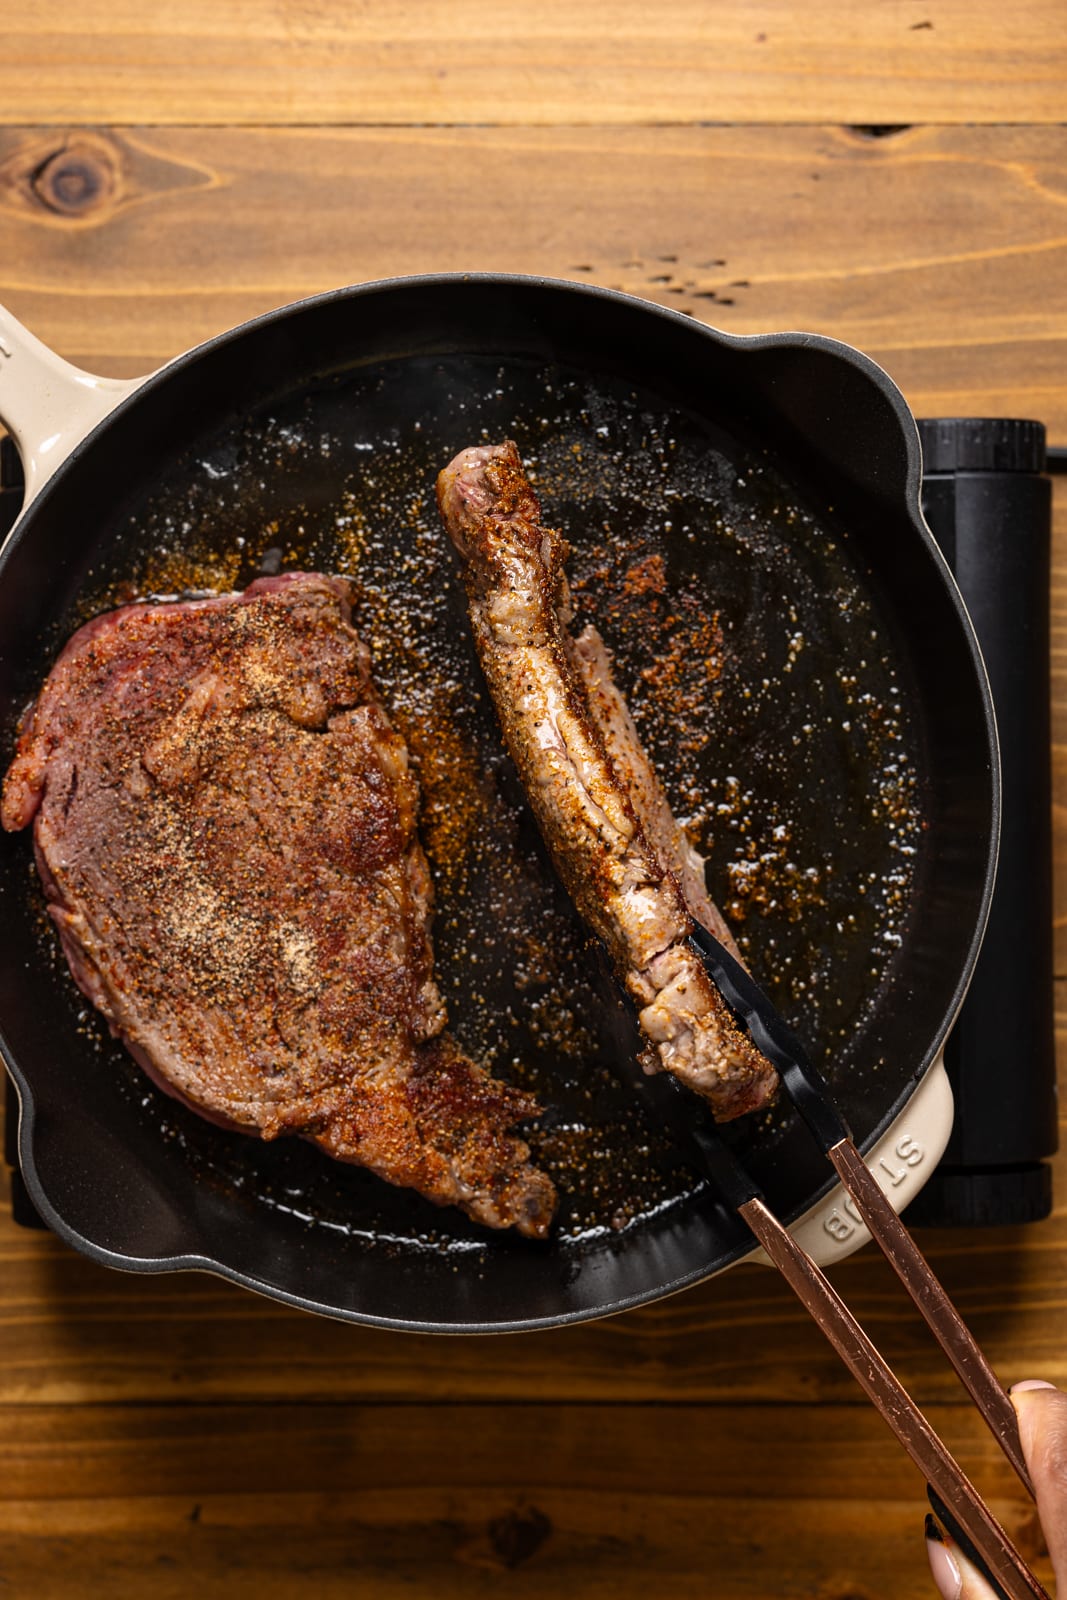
<point x="590" y="660"/>
<point x="225" y="828"/>
<point x="514" y="570"/>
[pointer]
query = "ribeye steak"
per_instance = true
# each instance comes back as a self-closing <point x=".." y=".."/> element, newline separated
<point x="225" y="827"/>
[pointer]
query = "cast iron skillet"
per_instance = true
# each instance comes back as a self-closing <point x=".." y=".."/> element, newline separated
<point x="295" y="439"/>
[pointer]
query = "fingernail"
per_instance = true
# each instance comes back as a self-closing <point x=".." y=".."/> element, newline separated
<point x="1028" y="1414"/>
<point x="946" y="1574"/>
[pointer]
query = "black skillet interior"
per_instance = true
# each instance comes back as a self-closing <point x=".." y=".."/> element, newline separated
<point x="745" y="534"/>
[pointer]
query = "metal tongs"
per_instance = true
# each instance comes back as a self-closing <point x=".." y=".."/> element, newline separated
<point x="951" y="1493"/>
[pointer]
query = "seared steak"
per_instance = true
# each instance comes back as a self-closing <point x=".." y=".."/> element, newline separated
<point x="599" y="805"/>
<point x="590" y="660"/>
<point x="225" y="827"/>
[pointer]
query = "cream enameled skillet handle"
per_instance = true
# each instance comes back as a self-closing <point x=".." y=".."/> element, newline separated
<point x="46" y="404"/>
<point x="902" y="1160"/>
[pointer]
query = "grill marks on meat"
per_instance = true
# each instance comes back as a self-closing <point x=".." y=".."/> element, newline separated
<point x="598" y="803"/>
<point x="225" y="827"/>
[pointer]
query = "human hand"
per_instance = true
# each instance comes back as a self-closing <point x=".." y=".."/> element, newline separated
<point x="1042" y="1413"/>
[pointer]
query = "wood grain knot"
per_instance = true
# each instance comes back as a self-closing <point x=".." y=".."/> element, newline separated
<point x="76" y="181"/>
<point x="878" y="130"/>
<point x="517" y="1535"/>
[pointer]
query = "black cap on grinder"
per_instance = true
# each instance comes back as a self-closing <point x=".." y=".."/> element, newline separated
<point x="988" y="505"/>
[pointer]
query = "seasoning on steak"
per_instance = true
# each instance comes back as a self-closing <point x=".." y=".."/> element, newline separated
<point x="225" y="827"/>
<point x="598" y="803"/>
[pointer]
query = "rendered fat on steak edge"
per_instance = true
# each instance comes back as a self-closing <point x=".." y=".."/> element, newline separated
<point x="603" y="813"/>
<point x="225" y="828"/>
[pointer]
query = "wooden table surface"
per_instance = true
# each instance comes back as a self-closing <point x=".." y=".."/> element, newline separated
<point x="894" y="174"/>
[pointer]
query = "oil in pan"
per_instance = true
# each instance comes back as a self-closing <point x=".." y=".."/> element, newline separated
<point x="760" y="673"/>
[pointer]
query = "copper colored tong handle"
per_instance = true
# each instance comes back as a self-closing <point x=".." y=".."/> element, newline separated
<point x="811" y="1095"/>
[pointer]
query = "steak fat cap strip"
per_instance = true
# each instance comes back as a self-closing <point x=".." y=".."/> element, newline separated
<point x="602" y="819"/>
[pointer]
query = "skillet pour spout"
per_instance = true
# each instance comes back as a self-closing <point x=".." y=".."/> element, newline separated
<point x="329" y="419"/>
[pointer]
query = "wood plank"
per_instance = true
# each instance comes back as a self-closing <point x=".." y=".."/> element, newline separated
<point x="456" y="1547"/>
<point x="536" y="1500"/>
<point x="123" y="249"/>
<point x="496" y="61"/>
<point x="82" y="1453"/>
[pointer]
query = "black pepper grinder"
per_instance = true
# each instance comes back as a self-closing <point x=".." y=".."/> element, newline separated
<point x="988" y="504"/>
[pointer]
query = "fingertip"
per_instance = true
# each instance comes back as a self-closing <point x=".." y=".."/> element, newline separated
<point x="943" y="1567"/>
<point x="956" y="1577"/>
<point x="1037" y="1404"/>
